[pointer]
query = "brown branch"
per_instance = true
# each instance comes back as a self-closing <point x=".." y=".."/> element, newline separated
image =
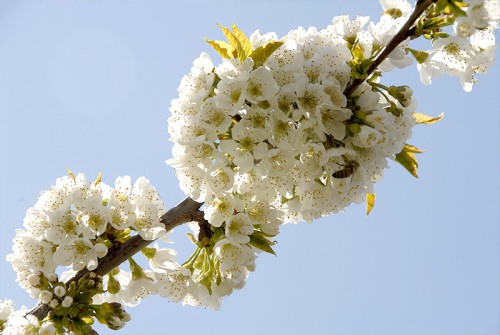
<point x="185" y="211"/>
<point x="405" y="32"/>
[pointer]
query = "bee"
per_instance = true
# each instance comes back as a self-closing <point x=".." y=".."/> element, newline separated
<point x="348" y="170"/>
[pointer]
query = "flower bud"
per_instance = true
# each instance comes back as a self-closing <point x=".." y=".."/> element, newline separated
<point x="407" y="94"/>
<point x="67" y="301"/>
<point x="112" y="314"/>
<point x="45" y="296"/>
<point x="54" y="303"/>
<point x="59" y="291"/>
<point x="401" y="93"/>
<point x="34" y="279"/>
<point x="52" y="277"/>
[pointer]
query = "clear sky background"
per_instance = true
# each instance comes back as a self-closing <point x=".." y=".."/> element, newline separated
<point x="86" y="85"/>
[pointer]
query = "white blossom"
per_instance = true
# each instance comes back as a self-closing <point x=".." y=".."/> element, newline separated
<point x="71" y="223"/>
<point x="238" y="228"/>
<point x="80" y="253"/>
<point x="137" y="289"/>
<point x="175" y="285"/>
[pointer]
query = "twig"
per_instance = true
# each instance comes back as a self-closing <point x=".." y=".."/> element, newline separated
<point x="182" y="213"/>
<point x="402" y="35"/>
<point x="187" y="210"/>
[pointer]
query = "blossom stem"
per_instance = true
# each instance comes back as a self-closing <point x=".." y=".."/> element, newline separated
<point x="405" y="32"/>
<point x="185" y="211"/>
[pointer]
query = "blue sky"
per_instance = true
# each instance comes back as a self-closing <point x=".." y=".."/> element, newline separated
<point x="86" y="85"/>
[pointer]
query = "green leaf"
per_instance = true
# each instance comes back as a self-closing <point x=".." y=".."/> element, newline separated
<point x="245" y="44"/>
<point x="222" y="48"/>
<point x="407" y="158"/>
<point x="258" y="241"/>
<point x="420" y="56"/>
<point x="370" y="202"/>
<point x="426" y="119"/>
<point x="262" y="53"/>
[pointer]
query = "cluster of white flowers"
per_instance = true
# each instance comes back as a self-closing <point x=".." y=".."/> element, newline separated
<point x="76" y="221"/>
<point x="470" y="49"/>
<point x="266" y="137"/>
<point x="264" y="144"/>
<point x="14" y="322"/>
<point x="265" y="141"/>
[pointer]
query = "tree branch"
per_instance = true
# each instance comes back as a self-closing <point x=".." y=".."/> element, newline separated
<point x="185" y="211"/>
<point x="402" y="35"/>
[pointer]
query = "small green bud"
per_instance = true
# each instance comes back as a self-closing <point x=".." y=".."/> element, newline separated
<point x="111" y="314"/>
<point x="401" y="93"/>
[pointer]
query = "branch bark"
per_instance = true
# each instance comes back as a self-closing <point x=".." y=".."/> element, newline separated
<point x="402" y="35"/>
<point x="185" y="211"/>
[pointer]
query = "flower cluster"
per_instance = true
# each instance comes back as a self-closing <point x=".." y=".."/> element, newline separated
<point x="469" y="49"/>
<point x="292" y="129"/>
<point x="282" y="130"/>
<point x="268" y="135"/>
<point x="73" y="224"/>
<point x="72" y="308"/>
<point x="76" y="221"/>
<point x="14" y="322"/>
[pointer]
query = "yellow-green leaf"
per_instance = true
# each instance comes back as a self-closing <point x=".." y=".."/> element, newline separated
<point x="233" y="41"/>
<point x="71" y="174"/>
<point x="370" y="202"/>
<point x="98" y="179"/>
<point x="222" y="48"/>
<point x="407" y="159"/>
<point x="456" y="8"/>
<point x="262" y="53"/>
<point x="426" y="119"/>
<point x="246" y="46"/>
<point x="412" y="148"/>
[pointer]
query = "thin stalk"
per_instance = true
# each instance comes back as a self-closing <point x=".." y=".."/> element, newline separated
<point x="405" y="32"/>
